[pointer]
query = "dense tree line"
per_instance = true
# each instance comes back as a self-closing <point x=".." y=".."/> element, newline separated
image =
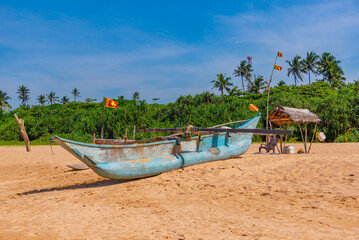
<point x="337" y="107"/>
<point x="336" y="103"/>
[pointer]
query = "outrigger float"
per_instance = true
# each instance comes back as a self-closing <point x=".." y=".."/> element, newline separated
<point x="115" y="159"/>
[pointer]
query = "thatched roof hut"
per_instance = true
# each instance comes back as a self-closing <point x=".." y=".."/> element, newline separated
<point x="286" y="115"/>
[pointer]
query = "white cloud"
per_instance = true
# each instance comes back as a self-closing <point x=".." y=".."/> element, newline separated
<point x="330" y="26"/>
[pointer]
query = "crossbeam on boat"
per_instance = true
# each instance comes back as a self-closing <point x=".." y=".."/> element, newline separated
<point x="128" y="142"/>
<point x="225" y="130"/>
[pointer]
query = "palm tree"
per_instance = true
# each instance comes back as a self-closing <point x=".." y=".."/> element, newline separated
<point x="243" y="70"/>
<point x="89" y="100"/>
<point x="76" y="93"/>
<point x="329" y="68"/>
<point x="41" y="99"/>
<point x="235" y="92"/>
<point x="51" y="98"/>
<point x="258" y="84"/>
<point x="4" y="105"/>
<point x="24" y="93"/>
<point x="296" y="69"/>
<point x="356" y="86"/>
<point x="135" y="96"/>
<point x="222" y="83"/>
<point x="310" y="63"/>
<point x="65" y="100"/>
<point x="281" y="83"/>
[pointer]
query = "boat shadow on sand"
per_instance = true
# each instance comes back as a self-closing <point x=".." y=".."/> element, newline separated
<point x="101" y="183"/>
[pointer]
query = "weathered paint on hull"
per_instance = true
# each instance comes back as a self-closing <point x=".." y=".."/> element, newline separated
<point x="148" y="159"/>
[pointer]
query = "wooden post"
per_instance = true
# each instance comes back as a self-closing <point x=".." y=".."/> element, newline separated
<point x="94" y="138"/>
<point x="103" y="122"/>
<point x="305" y="141"/>
<point x="21" y="124"/>
<point x="281" y="139"/>
<point x="310" y="146"/>
<point x="301" y="133"/>
<point x="285" y="139"/>
<point x="125" y="137"/>
<point x="268" y="91"/>
<point x="134" y="132"/>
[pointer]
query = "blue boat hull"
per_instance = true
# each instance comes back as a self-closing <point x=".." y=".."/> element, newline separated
<point x="148" y="159"/>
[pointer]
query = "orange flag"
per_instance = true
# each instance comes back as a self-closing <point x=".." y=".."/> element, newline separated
<point x="279" y="68"/>
<point x="110" y="103"/>
<point x="253" y="107"/>
<point x="279" y="54"/>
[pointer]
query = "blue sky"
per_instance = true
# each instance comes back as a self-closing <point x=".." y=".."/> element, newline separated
<point x="163" y="49"/>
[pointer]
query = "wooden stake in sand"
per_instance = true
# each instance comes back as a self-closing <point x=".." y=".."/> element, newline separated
<point x="21" y="124"/>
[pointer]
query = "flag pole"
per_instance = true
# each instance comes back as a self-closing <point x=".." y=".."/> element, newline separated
<point x="103" y="123"/>
<point x="268" y="91"/>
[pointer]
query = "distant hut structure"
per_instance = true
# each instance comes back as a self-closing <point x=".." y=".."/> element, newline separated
<point x="286" y="115"/>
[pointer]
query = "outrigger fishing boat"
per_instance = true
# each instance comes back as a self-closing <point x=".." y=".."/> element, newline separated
<point x="116" y="159"/>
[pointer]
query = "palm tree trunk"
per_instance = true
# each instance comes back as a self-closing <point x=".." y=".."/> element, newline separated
<point x="309" y="76"/>
<point x="242" y="84"/>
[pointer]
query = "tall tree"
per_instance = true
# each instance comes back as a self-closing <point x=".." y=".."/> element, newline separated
<point x="243" y="71"/>
<point x="51" y="97"/>
<point x="235" y="92"/>
<point x="65" y="100"/>
<point x="89" y="100"/>
<point x="4" y="104"/>
<point x="310" y="63"/>
<point x="76" y="93"/>
<point x="24" y="94"/>
<point x="258" y="84"/>
<point x="41" y="99"/>
<point x="329" y="68"/>
<point x="296" y="69"/>
<point x="281" y="83"/>
<point x="135" y="96"/>
<point x="222" y="83"/>
<point x="155" y="99"/>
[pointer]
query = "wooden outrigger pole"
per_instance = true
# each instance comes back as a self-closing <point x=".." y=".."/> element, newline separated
<point x="225" y="130"/>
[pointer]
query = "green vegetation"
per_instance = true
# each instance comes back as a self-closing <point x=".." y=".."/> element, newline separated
<point x="335" y="102"/>
<point x="222" y="83"/>
<point x="338" y="109"/>
<point x="24" y="94"/>
<point x="52" y="98"/>
<point x="76" y="93"/>
<point x="296" y="69"/>
<point x="244" y="71"/>
<point x="4" y="104"/>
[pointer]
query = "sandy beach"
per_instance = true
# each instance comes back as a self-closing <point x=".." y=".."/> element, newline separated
<point x="255" y="196"/>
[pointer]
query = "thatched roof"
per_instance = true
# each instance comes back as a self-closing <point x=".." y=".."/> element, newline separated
<point x="286" y="115"/>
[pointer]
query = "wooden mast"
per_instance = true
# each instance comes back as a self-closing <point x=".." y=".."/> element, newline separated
<point x="103" y="123"/>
